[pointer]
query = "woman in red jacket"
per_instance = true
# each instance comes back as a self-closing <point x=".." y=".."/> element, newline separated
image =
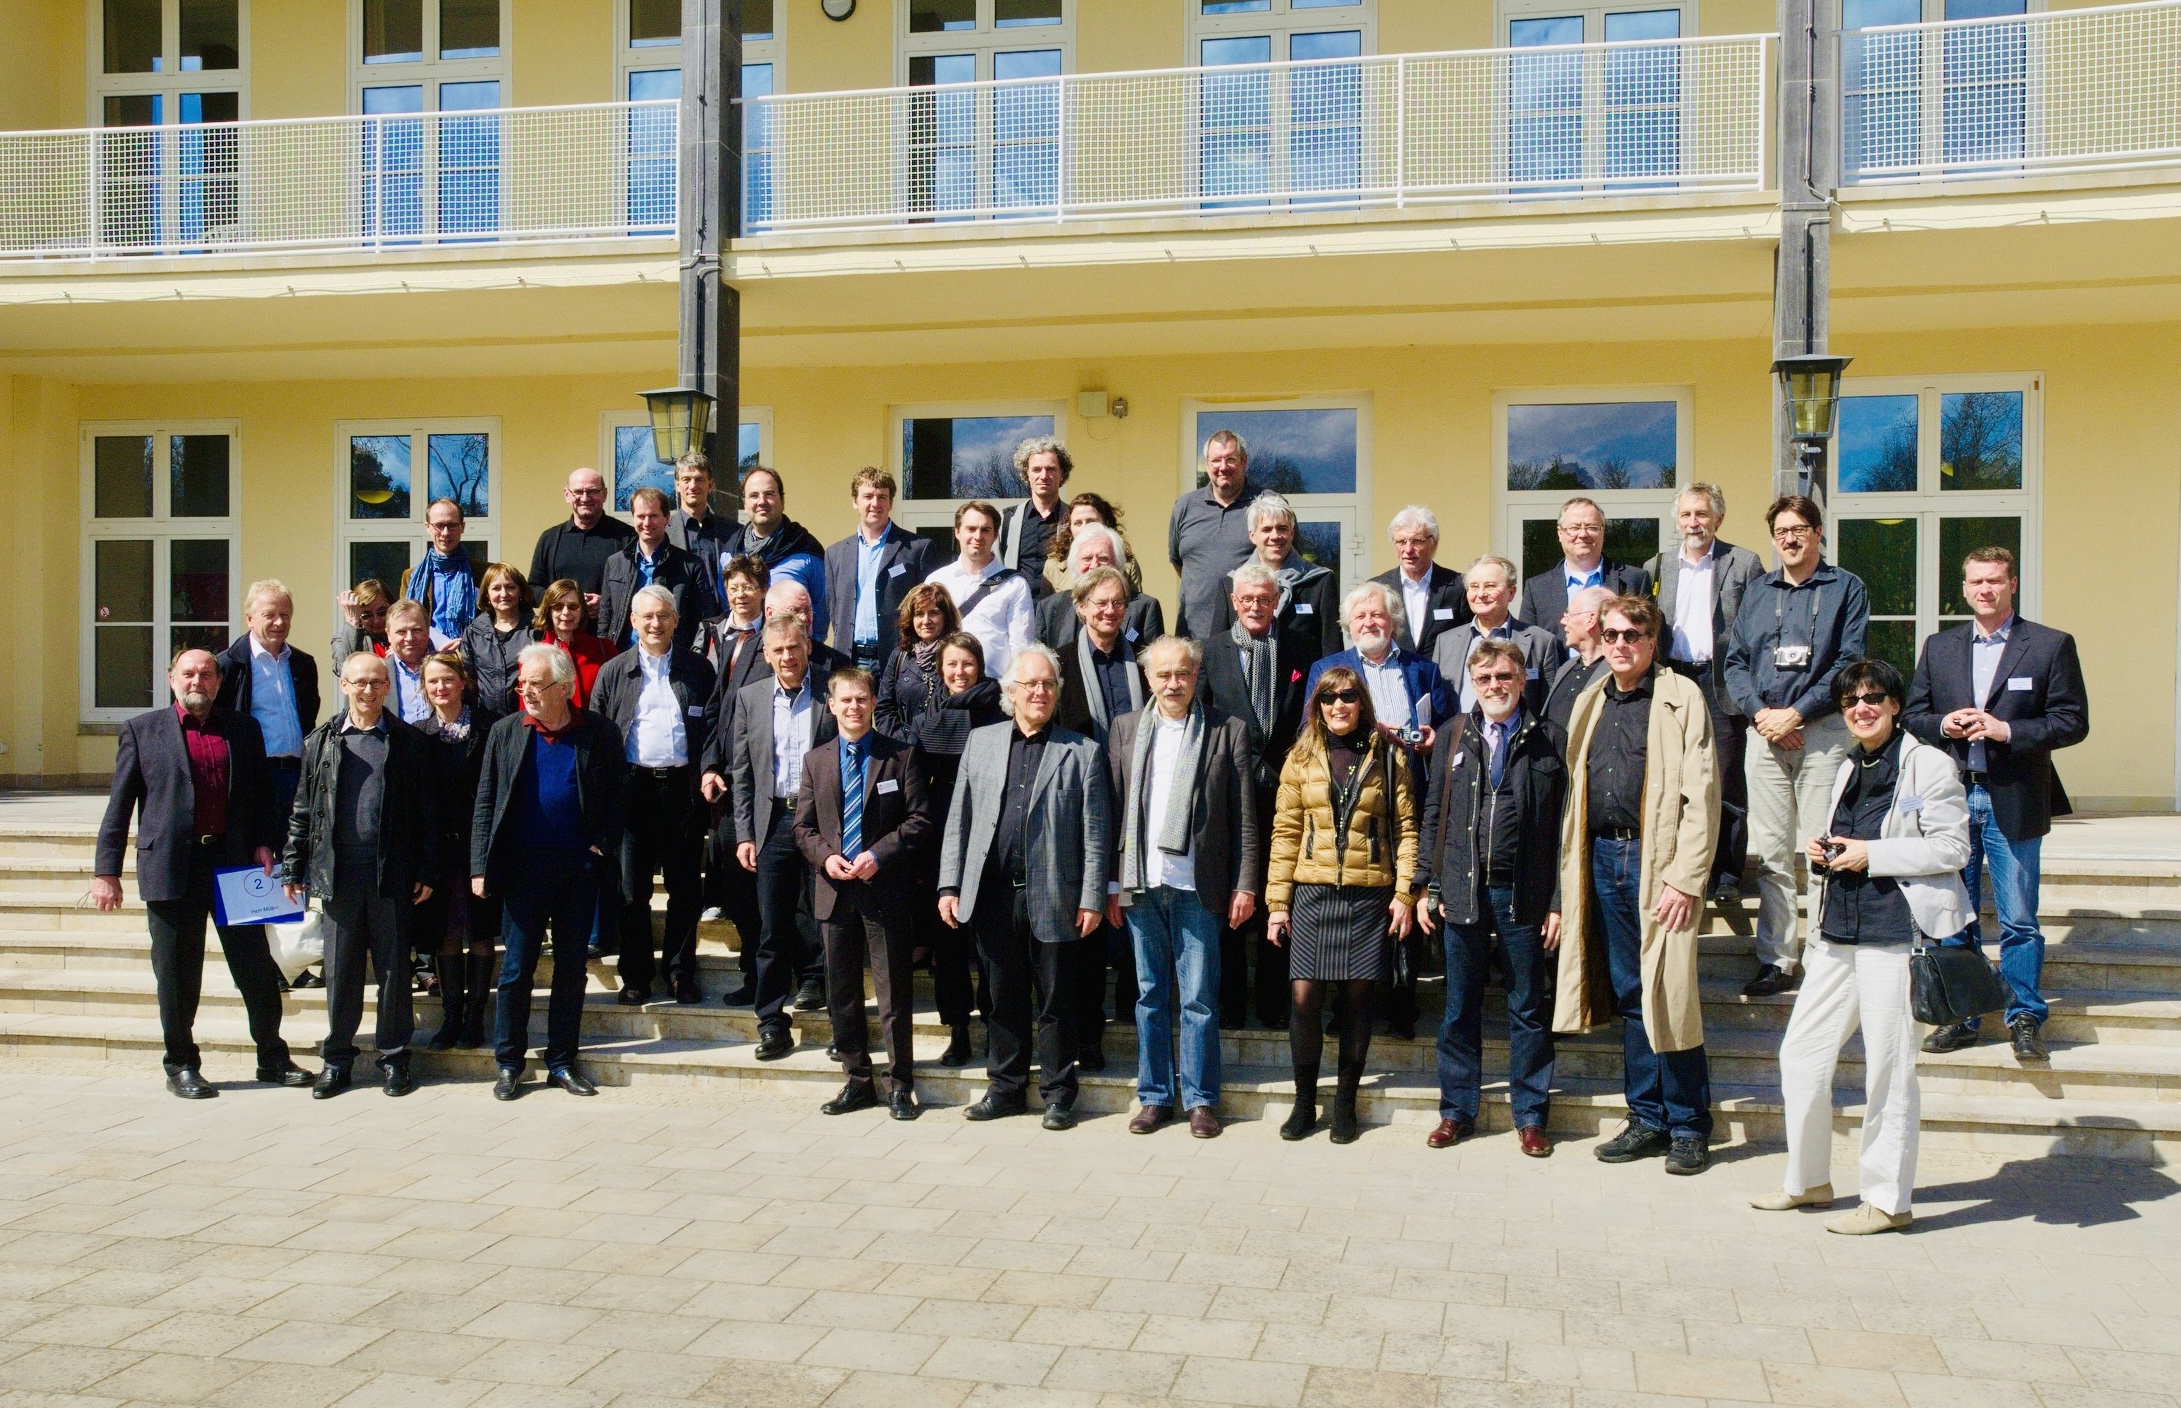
<point x="560" y="617"/>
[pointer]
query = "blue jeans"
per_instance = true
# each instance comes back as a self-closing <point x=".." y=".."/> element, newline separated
<point x="556" y="888"/>
<point x="1529" y="1013"/>
<point x="1177" y="964"/>
<point x="2015" y="875"/>
<point x="1668" y="1090"/>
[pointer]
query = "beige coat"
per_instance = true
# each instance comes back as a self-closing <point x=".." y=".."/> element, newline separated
<point x="1680" y="831"/>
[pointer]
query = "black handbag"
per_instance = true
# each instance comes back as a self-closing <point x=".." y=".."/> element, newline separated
<point x="1951" y="983"/>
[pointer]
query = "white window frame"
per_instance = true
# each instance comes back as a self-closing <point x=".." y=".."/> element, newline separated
<point x="162" y="528"/>
<point x="169" y="83"/>
<point x="430" y="71"/>
<point x="347" y="531"/>
<point x="1511" y="506"/>
<point x="1280" y="22"/>
<point x="1593" y="13"/>
<point x="1353" y="511"/>
<point x="918" y="514"/>
<point x="610" y="422"/>
<point x="984" y="41"/>
<point x="1929" y="503"/>
<point x="628" y="59"/>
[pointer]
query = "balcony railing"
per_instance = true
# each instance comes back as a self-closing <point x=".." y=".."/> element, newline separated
<point x="518" y="175"/>
<point x="1333" y="134"/>
<point x="2068" y="90"/>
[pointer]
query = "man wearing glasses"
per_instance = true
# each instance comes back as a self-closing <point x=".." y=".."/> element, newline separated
<point x="1797" y="626"/>
<point x="580" y="548"/>
<point x="1584" y="564"/>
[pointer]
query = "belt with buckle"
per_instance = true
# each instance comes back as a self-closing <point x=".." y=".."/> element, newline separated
<point x="666" y="773"/>
<point x="1970" y="777"/>
<point x="1616" y="833"/>
<point x="212" y="840"/>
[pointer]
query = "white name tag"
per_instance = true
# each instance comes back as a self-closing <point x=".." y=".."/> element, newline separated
<point x="696" y="711"/>
<point x="1442" y="613"/>
<point x="1533" y="674"/>
<point x="1304" y="608"/>
<point x="1458" y="759"/>
<point x="2019" y="682"/>
<point x="1910" y="803"/>
<point x="888" y="784"/>
<point x="1132" y="633"/>
<point x="896" y="570"/>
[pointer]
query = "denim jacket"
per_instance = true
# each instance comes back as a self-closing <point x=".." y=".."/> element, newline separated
<point x="1829" y="612"/>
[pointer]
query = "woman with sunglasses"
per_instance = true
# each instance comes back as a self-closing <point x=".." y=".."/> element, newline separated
<point x="1339" y="884"/>
<point x="1886" y="876"/>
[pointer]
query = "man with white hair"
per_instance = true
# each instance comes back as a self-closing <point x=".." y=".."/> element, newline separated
<point x="996" y="602"/>
<point x="1491" y="584"/>
<point x="792" y="598"/>
<point x="1432" y="599"/>
<point x="1093" y="546"/>
<point x="1309" y="594"/>
<point x="1586" y="655"/>
<point x="265" y="677"/>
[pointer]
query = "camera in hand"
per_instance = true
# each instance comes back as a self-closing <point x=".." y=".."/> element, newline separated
<point x="1409" y="737"/>
<point x="1832" y="853"/>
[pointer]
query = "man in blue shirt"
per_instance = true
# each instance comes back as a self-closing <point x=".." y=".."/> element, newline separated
<point x="870" y="572"/>
<point x="274" y="683"/>
<point x="786" y="547"/>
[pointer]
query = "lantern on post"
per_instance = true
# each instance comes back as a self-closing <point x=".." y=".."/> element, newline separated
<point x="1810" y="385"/>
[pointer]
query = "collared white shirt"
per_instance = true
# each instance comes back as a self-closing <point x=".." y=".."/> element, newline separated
<point x="409" y="700"/>
<point x="660" y="738"/>
<point x="272" y="701"/>
<point x="1389" y="691"/>
<point x="792" y="720"/>
<point x="1004" y="622"/>
<point x="1984" y="653"/>
<point x="1505" y="630"/>
<point x="1416" y="602"/>
<point x="1692" y="608"/>
<point x="1174" y="872"/>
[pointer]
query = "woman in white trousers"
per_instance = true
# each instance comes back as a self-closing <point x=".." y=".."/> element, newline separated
<point x="1887" y="874"/>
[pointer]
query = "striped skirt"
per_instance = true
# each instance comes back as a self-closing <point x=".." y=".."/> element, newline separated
<point x="1337" y="933"/>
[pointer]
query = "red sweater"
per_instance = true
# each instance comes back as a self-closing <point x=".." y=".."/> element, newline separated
<point x="589" y="652"/>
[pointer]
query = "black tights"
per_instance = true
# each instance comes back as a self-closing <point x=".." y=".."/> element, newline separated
<point x="1306" y="1024"/>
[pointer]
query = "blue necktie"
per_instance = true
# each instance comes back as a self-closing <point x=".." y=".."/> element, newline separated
<point x="1499" y="735"/>
<point x="851" y="800"/>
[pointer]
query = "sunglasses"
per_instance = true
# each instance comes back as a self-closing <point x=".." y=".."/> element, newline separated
<point x="1341" y="696"/>
<point x="1872" y="697"/>
<point x="1614" y="636"/>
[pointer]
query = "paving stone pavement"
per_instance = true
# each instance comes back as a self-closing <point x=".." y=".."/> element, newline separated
<point x="268" y="1251"/>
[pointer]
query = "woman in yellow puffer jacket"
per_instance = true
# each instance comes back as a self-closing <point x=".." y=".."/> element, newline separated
<point x="1337" y="888"/>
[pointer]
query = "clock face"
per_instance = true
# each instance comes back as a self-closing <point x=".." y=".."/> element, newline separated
<point x="838" y="9"/>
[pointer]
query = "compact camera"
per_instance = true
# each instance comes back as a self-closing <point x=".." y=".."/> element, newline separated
<point x="1790" y="657"/>
<point x="1410" y="737"/>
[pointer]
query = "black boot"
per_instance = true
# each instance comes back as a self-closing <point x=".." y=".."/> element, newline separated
<point x="1344" y="1105"/>
<point x="1305" y="1117"/>
<point x="478" y="974"/>
<point x="958" y="1050"/>
<point x="453" y="1001"/>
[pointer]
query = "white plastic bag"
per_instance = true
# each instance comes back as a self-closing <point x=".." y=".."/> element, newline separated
<point x="296" y="947"/>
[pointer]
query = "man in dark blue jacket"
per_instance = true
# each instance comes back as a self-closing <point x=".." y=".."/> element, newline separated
<point x="870" y="572"/>
<point x="271" y="681"/>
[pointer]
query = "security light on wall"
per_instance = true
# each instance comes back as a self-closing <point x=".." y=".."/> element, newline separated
<point x="1811" y="384"/>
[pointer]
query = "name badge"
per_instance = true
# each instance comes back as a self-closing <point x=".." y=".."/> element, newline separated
<point x="1911" y="803"/>
<point x="896" y="570"/>
<point x="888" y="784"/>
<point x="696" y="711"/>
<point x="1442" y="613"/>
<point x="2019" y="682"/>
<point x="1458" y="759"/>
<point x="1533" y="674"/>
<point x="1131" y="633"/>
<point x="1304" y="608"/>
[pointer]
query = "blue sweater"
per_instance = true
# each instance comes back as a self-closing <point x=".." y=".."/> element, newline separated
<point x="547" y="808"/>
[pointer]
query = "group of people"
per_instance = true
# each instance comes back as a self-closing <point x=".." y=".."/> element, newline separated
<point x="1295" y="799"/>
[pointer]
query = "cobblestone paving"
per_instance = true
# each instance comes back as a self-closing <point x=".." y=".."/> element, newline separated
<point x="268" y="1251"/>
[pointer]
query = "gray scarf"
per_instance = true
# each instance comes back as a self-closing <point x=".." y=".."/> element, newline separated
<point x="1181" y="798"/>
<point x="1093" y="690"/>
<point x="1257" y="662"/>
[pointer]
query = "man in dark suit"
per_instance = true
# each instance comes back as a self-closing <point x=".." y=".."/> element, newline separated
<point x="699" y="529"/>
<point x="269" y="680"/>
<point x="1256" y="673"/>
<point x="650" y="560"/>
<point x="1091" y="547"/>
<point x="1432" y="598"/>
<point x="861" y="820"/>
<point x="1309" y="594"/>
<point x="1582" y="544"/>
<point x="869" y="572"/>
<point x="2000" y="694"/>
<point x="660" y="696"/>
<point x="196" y="776"/>
<point x="1490" y="585"/>
<point x="757" y="759"/>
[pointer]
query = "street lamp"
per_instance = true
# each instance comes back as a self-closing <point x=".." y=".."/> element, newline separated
<point x="680" y="416"/>
<point x="1810" y="384"/>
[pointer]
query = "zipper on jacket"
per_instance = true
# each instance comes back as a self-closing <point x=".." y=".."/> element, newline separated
<point x="1310" y="837"/>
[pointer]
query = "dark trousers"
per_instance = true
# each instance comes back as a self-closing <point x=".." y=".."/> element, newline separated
<point x="957" y="978"/>
<point x="1529" y="1012"/>
<point x="1731" y="734"/>
<point x="365" y="927"/>
<point x="1033" y="997"/>
<point x="1098" y="959"/>
<point x="1251" y="970"/>
<point x="556" y="889"/>
<point x="664" y="836"/>
<point x="734" y="890"/>
<point x="1669" y="1090"/>
<point x="869" y="929"/>
<point x="783" y="880"/>
<point x="177" y="966"/>
<point x="287" y="776"/>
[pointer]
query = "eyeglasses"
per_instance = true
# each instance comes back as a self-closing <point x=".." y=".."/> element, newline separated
<point x="1037" y="686"/>
<point x="1872" y="697"/>
<point x="1499" y="677"/>
<point x="1792" y="534"/>
<point x="1341" y="696"/>
<point x="1614" y="636"/>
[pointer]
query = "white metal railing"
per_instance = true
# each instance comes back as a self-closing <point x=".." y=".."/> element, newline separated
<point x="1390" y="130"/>
<point x="2065" y="90"/>
<point x="597" y="171"/>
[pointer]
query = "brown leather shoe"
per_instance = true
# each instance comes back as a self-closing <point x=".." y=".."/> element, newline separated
<point x="1535" y="1142"/>
<point x="1149" y="1118"/>
<point x="1203" y="1124"/>
<point x="1449" y="1133"/>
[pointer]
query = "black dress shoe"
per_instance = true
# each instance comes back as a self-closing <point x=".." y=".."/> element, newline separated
<point x="810" y="997"/>
<point x="570" y="1079"/>
<point x="957" y="1054"/>
<point x="398" y="1080"/>
<point x="687" y="993"/>
<point x="1091" y="1059"/>
<point x="832" y="1051"/>
<point x="306" y="979"/>
<point x="773" y="1045"/>
<point x="902" y="1105"/>
<point x="1771" y="982"/>
<point x="509" y="1086"/>
<point x="744" y="996"/>
<point x="1059" y="1116"/>
<point x="1635" y="1142"/>
<point x="2029" y="1042"/>
<point x="331" y="1082"/>
<point x="854" y="1096"/>
<point x="997" y="1107"/>
<point x="1727" y="892"/>
<point x="1688" y="1156"/>
<point x="634" y="996"/>
<point x="1954" y="1036"/>
<point x="1406" y="1029"/>
<point x="190" y="1084"/>
<point x="289" y="1075"/>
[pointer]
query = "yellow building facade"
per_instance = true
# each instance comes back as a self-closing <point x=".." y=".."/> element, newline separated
<point x="1474" y="254"/>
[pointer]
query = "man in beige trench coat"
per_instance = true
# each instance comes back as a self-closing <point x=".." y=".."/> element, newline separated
<point x="1636" y="842"/>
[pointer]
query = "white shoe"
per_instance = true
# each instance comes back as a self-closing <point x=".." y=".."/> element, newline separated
<point x="1866" y="1220"/>
<point x="1783" y="1201"/>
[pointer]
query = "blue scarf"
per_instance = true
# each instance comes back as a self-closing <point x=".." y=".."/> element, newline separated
<point x="453" y="590"/>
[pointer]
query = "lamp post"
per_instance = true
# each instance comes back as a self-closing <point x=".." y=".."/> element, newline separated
<point x="1810" y="392"/>
<point x="1809" y="166"/>
<point x="707" y="393"/>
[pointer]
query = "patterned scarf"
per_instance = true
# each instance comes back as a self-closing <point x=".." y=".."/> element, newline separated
<point x="452" y="590"/>
<point x="1181" y="796"/>
<point x="1257" y="659"/>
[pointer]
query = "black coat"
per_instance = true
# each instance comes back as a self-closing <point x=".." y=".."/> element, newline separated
<point x="1545" y="596"/>
<point x="1226" y="691"/>
<point x="457" y="766"/>
<point x="410" y="839"/>
<point x="491" y="658"/>
<point x="1454" y="812"/>
<point x="677" y="571"/>
<point x="601" y="786"/>
<point x="1447" y="593"/>
<point x="1312" y="613"/>
<point x="152" y="778"/>
<point x="905" y="691"/>
<point x="565" y="550"/>
<point x="904" y="562"/>
<point x="696" y="697"/>
<point x="1568" y="684"/>
<point x="237" y="685"/>
<point x="1142" y="623"/>
<point x="2051" y="711"/>
<point x="1226" y="833"/>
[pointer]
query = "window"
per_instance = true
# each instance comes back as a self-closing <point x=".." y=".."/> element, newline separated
<point x="998" y="149"/>
<point x="171" y="72"/>
<point x="1623" y="447"/>
<point x="1608" y="120"/>
<point x="1926" y="470"/>
<point x="627" y="445"/>
<point x="429" y="56"/>
<point x="950" y="454"/>
<point x="388" y="472"/>
<point x="161" y="513"/>
<point x="1269" y="130"/>
<point x="1928" y="98"/>
<point x="648" y="68"/>
<point x="1312" y="450"/>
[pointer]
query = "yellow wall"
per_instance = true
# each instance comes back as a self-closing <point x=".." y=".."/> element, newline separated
<point x="562" y="52"/>
<point x="298" y="58"/>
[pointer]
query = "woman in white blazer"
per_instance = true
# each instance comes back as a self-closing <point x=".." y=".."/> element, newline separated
<point x="1886" y="876"/>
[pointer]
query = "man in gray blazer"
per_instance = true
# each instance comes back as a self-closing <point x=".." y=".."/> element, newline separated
<point x="1491" y="584"/>
<point x="1699" y="593"/>
<point x="1025" y="857"/>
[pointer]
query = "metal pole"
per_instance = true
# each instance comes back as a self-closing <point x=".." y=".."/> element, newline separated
<point x="709" y="148"/>
<point x="1809" y="137"/>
